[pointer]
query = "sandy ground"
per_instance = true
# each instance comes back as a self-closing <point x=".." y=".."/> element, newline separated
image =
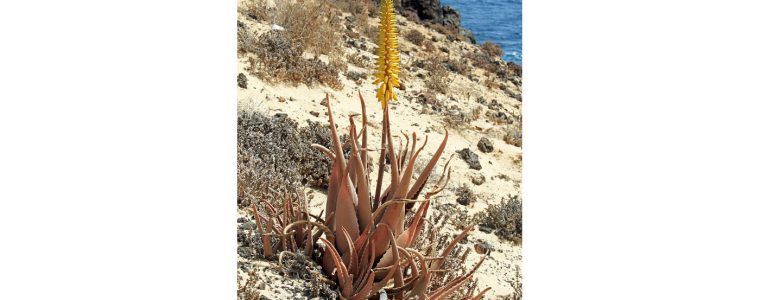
<point x="501" y="168"/>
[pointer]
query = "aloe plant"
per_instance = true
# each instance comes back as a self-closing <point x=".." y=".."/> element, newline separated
<point x="362" y="240"/>
<point x="368" y="244"/>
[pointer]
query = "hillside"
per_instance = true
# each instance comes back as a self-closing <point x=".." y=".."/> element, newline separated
<point x="291" y="56"/>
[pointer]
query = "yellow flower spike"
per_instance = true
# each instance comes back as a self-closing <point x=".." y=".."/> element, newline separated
<point x="387" y="54"/>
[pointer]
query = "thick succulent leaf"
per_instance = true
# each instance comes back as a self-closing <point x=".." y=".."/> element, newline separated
<point x="350" y="257"/>
<point x="392" y="250"/>
<point x="406" y="239"/>
<point x="437" y="264"/>
<point x="334" y="134"/>
<point x="398" y="282"/>
<point x="303" y="223"/>
<point x="403" y="187"/>
<point x="365" y="265"/>
<point x="380" y="239"/>
<point x="264" y="237"/>
<point x="395" y="214"/>
<point x="415" y="155"/>
<point x="452" y="286"/>
<point x="389" y="274"/>
<point x="420" y="287"/>
<point x="338" y="165"/>
<point x="362" y="240"/>
<point x="402" y="154"/>
<point x="364" y="291"/>
<point x="332" y="191"/>
<point x="353" y="160"/>
<point x="324" y="150"/>
<point x="393" y="217"/>
<point x="364" y="207"/>
<point x="345" y="214"/>
<point x="414" y="192"/>
<point x="342" y="272"/>
<point x="446" y="174"/>
<point x="364" y="136"/>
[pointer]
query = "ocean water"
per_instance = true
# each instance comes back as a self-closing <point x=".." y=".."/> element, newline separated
<point x="499" y="21"/>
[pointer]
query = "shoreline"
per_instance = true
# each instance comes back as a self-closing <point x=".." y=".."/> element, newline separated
<point x="472" y="15"/>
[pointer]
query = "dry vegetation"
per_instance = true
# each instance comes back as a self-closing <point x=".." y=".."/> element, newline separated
<point x="279" y="55"/>
<point x="513" y="135"/>
<point x="279" y="59"/>
<point x="492" y="49"/>
<point x="438" y="77"/>
<point x="505" y="218"/>
<point x="275" y="158"/>
<point x="458" y="119"/>
<point x="415" y="37"/>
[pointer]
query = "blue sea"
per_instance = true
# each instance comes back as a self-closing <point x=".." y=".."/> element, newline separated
<point x="499" y="21"/>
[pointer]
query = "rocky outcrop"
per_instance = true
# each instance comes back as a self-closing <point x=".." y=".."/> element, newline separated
<point x="432" y="11"/>
<point x="427" y="10"/>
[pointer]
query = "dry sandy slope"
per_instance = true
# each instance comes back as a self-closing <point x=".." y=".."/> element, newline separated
<point x="300" y="101"/>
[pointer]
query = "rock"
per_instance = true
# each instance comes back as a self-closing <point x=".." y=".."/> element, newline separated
<point x="483" y="247"/>
<point x="495" y="105"/>
<point x="314" y="113"/>
<point x="450" y="16"/>
<point x="485" y="228"/>
<point x="324" y="102"/>
<point x="468" y="35"/>
<point x="470" y="158"/>
<point x="356" y="76"/>
<point x="465" y="196"/>
<point x="427" y="10"/>
<point x="499" y="117"/>
<point x="246" y="252"/>
<point x="514" y="69"/>
<point x="485" y="145"/>
<point x="354" y="43"/>
<point x="477" y="178"/>
<point x="242" y="81"/>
